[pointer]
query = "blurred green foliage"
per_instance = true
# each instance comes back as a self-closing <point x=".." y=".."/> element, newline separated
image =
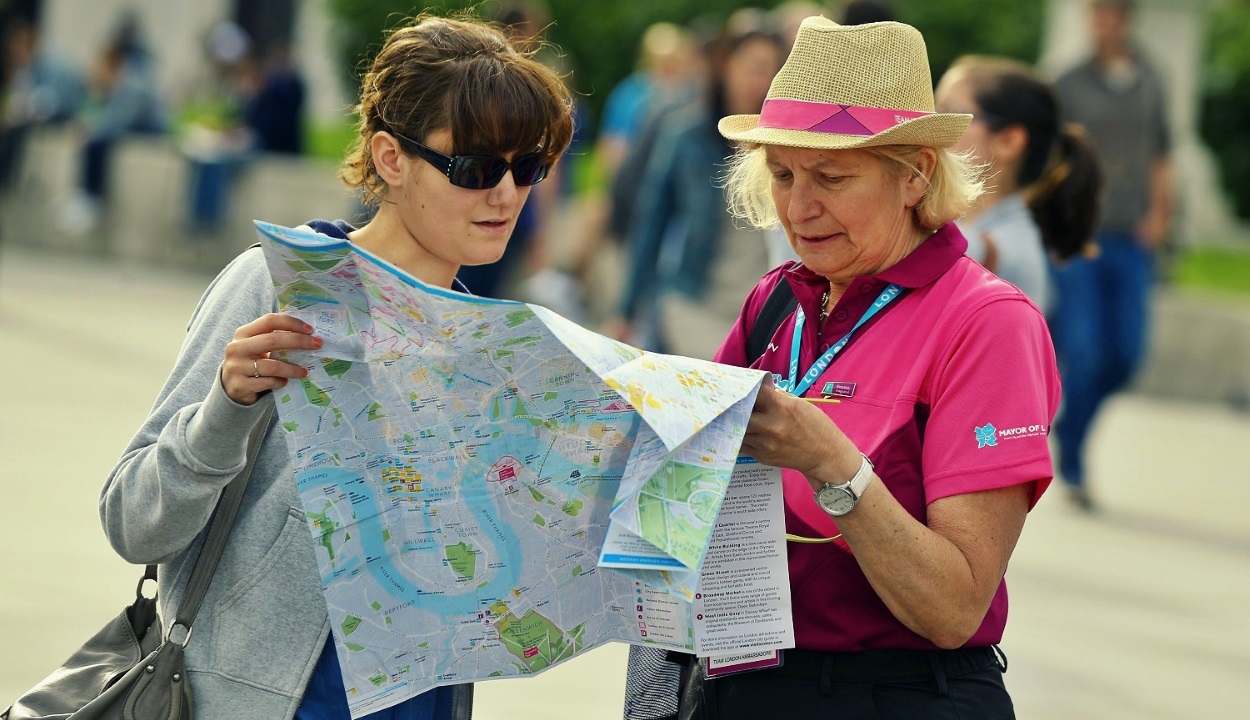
<point x="329" y="140"/>
<point x="1223" y="270"/>
<point x="1225" y="114"/>
<point x="599" y="38"/>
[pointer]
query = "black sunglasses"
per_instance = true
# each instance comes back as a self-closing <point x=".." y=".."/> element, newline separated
<point x="480" y="172"/>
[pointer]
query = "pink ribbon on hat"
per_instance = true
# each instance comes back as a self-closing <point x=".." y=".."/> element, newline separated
<point x="834" y="118"/>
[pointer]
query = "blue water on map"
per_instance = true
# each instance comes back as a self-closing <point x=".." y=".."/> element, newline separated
<point x="498" y="528"/>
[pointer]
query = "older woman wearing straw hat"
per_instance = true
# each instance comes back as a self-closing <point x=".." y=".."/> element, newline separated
<point x="913" y="397"/>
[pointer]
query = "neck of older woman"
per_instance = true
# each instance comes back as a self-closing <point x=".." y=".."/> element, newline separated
<point x="387" y="237"/>
<point x="832" y="295"/>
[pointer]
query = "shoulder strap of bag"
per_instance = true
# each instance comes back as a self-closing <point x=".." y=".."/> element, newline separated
<point x="219" y="531"/>
<point x="780" y="303"/>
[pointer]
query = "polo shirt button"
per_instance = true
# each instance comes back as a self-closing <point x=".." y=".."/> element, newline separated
<point x="839" y="315"/>
<point x="865" y="288"/>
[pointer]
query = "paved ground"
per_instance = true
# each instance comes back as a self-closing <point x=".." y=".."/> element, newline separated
<point x="1138" y="613"/>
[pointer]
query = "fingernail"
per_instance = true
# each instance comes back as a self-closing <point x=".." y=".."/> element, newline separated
<point x="317" y="342"/>
<point x="307" y="327"/>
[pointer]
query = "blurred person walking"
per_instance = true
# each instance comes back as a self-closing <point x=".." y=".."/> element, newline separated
<point x="668" y="63"/>
<point x="667" y="77"/>
<point x="1102" y="309"/>
<point x="685" y="251"/>
<point x="455" y="128"/>
<point x="1043" y="183"/>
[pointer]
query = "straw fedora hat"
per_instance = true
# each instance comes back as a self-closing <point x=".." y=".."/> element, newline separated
<point x="850" y="86"/>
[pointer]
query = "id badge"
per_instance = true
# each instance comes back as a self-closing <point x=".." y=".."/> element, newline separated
<point x="742" y="662"/>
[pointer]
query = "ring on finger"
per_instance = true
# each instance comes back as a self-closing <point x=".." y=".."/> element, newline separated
<point x="255" y="369"/>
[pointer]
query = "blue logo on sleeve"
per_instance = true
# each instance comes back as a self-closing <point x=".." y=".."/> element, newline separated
<point x="987" y="436"/>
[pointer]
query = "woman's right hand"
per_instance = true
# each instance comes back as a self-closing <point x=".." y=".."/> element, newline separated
<point x="791" y="432"/>
<point x="248" y="370"/>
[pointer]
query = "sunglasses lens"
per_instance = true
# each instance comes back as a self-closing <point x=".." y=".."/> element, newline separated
<point x="476" y="172"/>
<point x="528" y="169"/>
<point x="481" y="172"/>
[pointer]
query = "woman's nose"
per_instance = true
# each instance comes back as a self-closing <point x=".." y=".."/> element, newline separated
<point x="802" y="203"/>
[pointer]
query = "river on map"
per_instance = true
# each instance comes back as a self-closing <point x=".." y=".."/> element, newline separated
<point x="500" y="529"/>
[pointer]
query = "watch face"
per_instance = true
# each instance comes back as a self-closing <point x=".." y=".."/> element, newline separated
<point x="837" y="501"/>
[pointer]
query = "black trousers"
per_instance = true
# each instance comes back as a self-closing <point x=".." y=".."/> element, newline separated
<point x="869" y="685"/>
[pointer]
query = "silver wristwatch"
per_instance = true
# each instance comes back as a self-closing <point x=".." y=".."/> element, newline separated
<point x="838" y="500"/>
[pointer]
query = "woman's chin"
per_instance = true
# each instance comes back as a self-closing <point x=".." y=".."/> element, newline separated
<point x="815" y="254"/>
<point x="485" y="253"/>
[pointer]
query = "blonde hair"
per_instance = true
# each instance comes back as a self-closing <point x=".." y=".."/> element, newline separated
<point x="956" y="182"/>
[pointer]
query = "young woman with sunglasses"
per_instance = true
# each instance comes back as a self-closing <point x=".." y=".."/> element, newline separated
<point x="455" y="128"/>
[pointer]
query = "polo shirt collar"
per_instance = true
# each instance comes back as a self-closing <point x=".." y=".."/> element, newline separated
<point x="925" y="264"/>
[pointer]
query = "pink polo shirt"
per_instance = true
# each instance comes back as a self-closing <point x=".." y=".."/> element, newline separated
<point x="954" y="389"/>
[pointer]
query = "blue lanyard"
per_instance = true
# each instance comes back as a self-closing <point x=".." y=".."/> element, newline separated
<point x="797" y="387"/>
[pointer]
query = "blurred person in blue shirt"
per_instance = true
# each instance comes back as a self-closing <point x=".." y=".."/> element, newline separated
<point x="684" y="248"/>
<point x="40" y="89"/>
<point x="669" y="75"/>
<point x="124" y="100"/>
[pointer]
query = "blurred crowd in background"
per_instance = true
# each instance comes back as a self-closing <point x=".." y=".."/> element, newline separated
<point x="630" y="236"/>
<point x="246" y="99"/>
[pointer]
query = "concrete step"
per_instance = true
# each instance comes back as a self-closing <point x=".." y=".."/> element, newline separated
<point x="1199" y="349"/>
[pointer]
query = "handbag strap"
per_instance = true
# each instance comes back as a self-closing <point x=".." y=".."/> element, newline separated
<point x="218" y="532"/>
<point x="779" y="305"/>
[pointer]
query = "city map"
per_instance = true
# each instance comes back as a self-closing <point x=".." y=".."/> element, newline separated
<point x="462" y="461"/>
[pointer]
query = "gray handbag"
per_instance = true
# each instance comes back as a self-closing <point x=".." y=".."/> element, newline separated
<point x="131" y="670"/>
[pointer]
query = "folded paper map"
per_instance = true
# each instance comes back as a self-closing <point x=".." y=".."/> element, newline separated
<point x="471" y="468"/>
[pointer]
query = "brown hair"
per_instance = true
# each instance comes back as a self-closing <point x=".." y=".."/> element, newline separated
<point x="462" y="75"/>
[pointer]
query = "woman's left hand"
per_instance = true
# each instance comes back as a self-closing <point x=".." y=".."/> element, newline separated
<point x="787" y="431"/>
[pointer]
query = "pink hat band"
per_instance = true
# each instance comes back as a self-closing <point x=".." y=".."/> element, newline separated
<point x="832" y="118"/>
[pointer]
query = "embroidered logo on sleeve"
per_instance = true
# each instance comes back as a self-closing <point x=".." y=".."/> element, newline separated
<point x="986" y="436"/>
<point x="989" y="435"/>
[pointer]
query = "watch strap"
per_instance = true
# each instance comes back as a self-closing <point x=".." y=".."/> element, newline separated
<point x="863" y="476"/>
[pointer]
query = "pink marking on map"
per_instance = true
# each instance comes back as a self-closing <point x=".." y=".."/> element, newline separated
<point x="505" y="468"/>
<point x="395" y="343"/>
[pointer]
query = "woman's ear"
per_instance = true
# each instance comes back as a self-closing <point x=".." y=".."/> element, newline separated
<point x="388" y="158"/>
<point x="1009" y="143"/>
<point x="917" y="183"/>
